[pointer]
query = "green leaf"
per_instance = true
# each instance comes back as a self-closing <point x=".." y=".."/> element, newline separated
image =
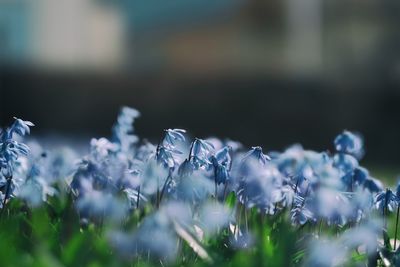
<point x="231" y="200"/>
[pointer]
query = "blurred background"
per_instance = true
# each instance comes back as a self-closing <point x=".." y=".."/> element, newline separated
<point x="268" y="73"/>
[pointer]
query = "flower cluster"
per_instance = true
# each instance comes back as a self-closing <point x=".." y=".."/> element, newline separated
<point x="182" y="188"/>
<point x="10" y="151"/>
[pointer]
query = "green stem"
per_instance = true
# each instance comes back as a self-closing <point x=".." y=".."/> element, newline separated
<point x="246" y="219"/>
<point x="320" y="227"/>
<point x="165" y="186"/>
<point x="158" y="193"/>
<point x="191" y="151"/>
<point x="225" y="187"/>
<point x="216" y="184"/>
<point x="238" y="219"/>
<point x="216" y="190"/>
<point x="138" y="198"/>
<point x="8" y="187"/>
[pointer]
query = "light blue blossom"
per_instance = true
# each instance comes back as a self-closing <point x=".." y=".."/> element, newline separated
<point x="386" y="201"/>
<point x="123" y="129"/>
<point x="10" y="150"/>
<point x="186" y="168"/>
<point x="172" y="135"/>
<point x="300" y="215"/>
<point x="256" y="153"/>
<point x="326" y="253"/>
<point x="166" y="150"/>
<point x="156" y="236"/>
<point x="360" y="175"/>
<point x="221" y="174"/>
<point x="193" y="189"/>
<point x="261" y="188"/>
<point x="213" y="216"/>
<point x="200" y="152"/>
<point x="349" y="143"/>
<point x="363" y="237"/>
<point x="345" y="163"/>
<point x="93" y="203"/>
<point x="373" y="185"/>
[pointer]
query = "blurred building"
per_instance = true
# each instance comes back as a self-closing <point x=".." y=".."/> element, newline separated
<point x="321" y="38"/>
<point x="15" y="34"/>
<point x="64" y="33"/>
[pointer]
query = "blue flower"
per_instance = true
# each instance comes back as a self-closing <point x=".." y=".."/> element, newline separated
<point x="199" y="153"/>
<point x="352" y="180"/>
<point x="373" y="185"/>
<point x="194" y="189"/>
<point x="254" y="158"/>
<point x="100" y="204"/>
<point x="172" y="135"/>
<point x="256" y="153"/>
<point x="213" y="216"/>
<point x="348" y="181"/>
<point x="345" y="163"/>
<point x="11" y="149"/>
<point x="288" y="196"/>
<point x="36" y="186"/>
<point x="261" y="188"/>
<point x="21" y="127"/>
<point x="186" y="168"/>
<point x="166" y="150"/>
<point x="221" y="174"/>
<point x="326" y="253"/>
<point x="201" y="146"/>
<point x="349" y="143"/>
<point x="332" y="205"/>
<point x="223" y="156"/>
<point x="123" y="129"/>
<point x="166" y="156"/>
<point x="360" y="175"/>
<point x="134" y="197"/>
<point x="156" y="235"/>
<point x="101" y="148"/>
<point x="300" y="215"/>
<point x="386" y="201"/>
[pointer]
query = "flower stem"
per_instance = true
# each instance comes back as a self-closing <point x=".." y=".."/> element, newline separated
<point x="8" y="187"/>
<point x="320" y="227"/>
<point x="246" y="219"/>
<point x="238" y="219"/>
<point x="158" y="193"/>
<point x="191" y="151"/>
<point x="225" y="188"/>
<point x="164" y="187"/>
<point x="138" y="198"/>
<point x="216" y="190"/>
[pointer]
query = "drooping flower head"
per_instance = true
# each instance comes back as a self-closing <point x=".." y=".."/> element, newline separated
<point x="254" y="157"/>
<point x="10" y="148"/>
<point x="200" y="152"/>
<point x="167" y="151"/>
<point x="256" y="153"/>
<point x="221" y="163"/>
<point x="386" y="201"/>
<point x="349" y="143"/>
